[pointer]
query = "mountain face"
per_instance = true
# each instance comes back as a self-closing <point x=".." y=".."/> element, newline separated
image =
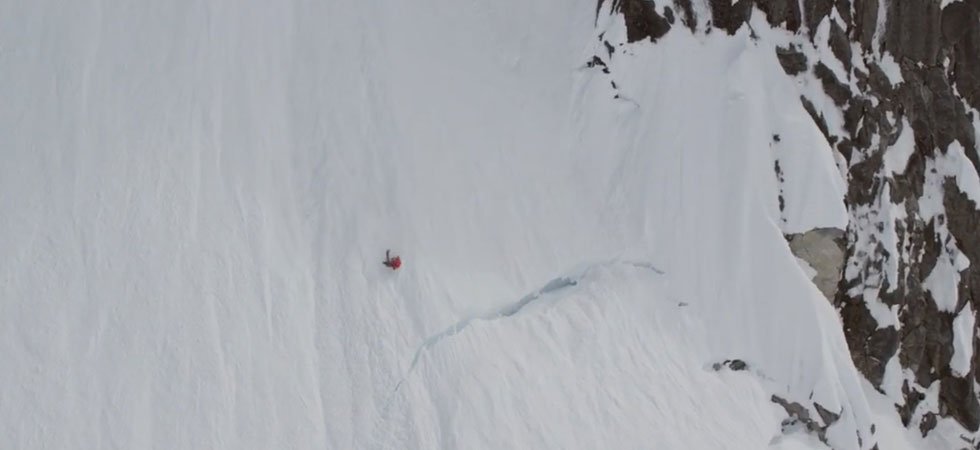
<point x="623" y="224"/>
<point x="895" y="90"/>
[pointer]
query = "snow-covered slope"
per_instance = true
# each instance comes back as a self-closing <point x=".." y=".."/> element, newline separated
<point x="197" y="196"/>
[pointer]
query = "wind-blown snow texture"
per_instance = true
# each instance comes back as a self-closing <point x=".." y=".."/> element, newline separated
<point x="197" y="196"/>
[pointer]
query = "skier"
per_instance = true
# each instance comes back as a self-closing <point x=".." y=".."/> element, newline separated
<point x="392" y="263"/>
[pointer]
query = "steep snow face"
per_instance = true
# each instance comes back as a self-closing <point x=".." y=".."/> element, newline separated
<point x="198" y="195"/>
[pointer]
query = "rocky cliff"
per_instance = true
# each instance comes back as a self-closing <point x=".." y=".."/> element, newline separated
<point x="894" y="86"/>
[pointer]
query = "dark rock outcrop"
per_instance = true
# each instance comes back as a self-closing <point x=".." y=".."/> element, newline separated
<point x="792" y="60"/>
<point x="831" y="85"/>
<point x="913" y="30"/>
<point x="865" y="22"/>
<point x="929" y="103"/>
<point x="961" y="38"/>
<point x="800" y="414"/>
<point x="729" y="16"/>
<point x="642" y="19"/>
<point x="687" y="11"/>
<point x="781" y="13"/>
<point x="733" y="364"/>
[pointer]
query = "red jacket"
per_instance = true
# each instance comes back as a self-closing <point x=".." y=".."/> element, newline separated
<point x="394" y="263"/>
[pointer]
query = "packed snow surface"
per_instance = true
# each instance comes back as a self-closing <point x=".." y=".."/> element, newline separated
<point x="198" y="195"/>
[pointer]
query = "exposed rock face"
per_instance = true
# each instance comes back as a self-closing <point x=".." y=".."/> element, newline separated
<point x="936" y="51"/>
<point x="642" y="19"/>
<point x="792" y="60"/>
<point x="907" y="92"/>
<point x="823" y="249"/>
<point x="800" y="414"/>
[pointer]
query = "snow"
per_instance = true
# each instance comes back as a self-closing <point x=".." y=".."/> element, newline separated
<point x="891" y="434"/>
<point x="879" y="34"/>
<point x="964" y="328"/>
<point x="947" y="434"/>
<point x="943" y="283"/>
<point x="821" y="41"/>
<point x="669" y="88"/>
<point x="885" y="316"/>
<point x="198" y="196"/>
<point x="610" y="340"/>
<point x="976" y="129"/>
<point x="892" y="380"/>
<point x="931" y="202"/>
<point x="806" y="83"/>
<point x="813" y="191"/>
<point x="955" y="162"/>
<point x="798" y="440"/>
<point x="814" y="194"/>
<point x="896" y="157"/>
<point x="889" y="66"/>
